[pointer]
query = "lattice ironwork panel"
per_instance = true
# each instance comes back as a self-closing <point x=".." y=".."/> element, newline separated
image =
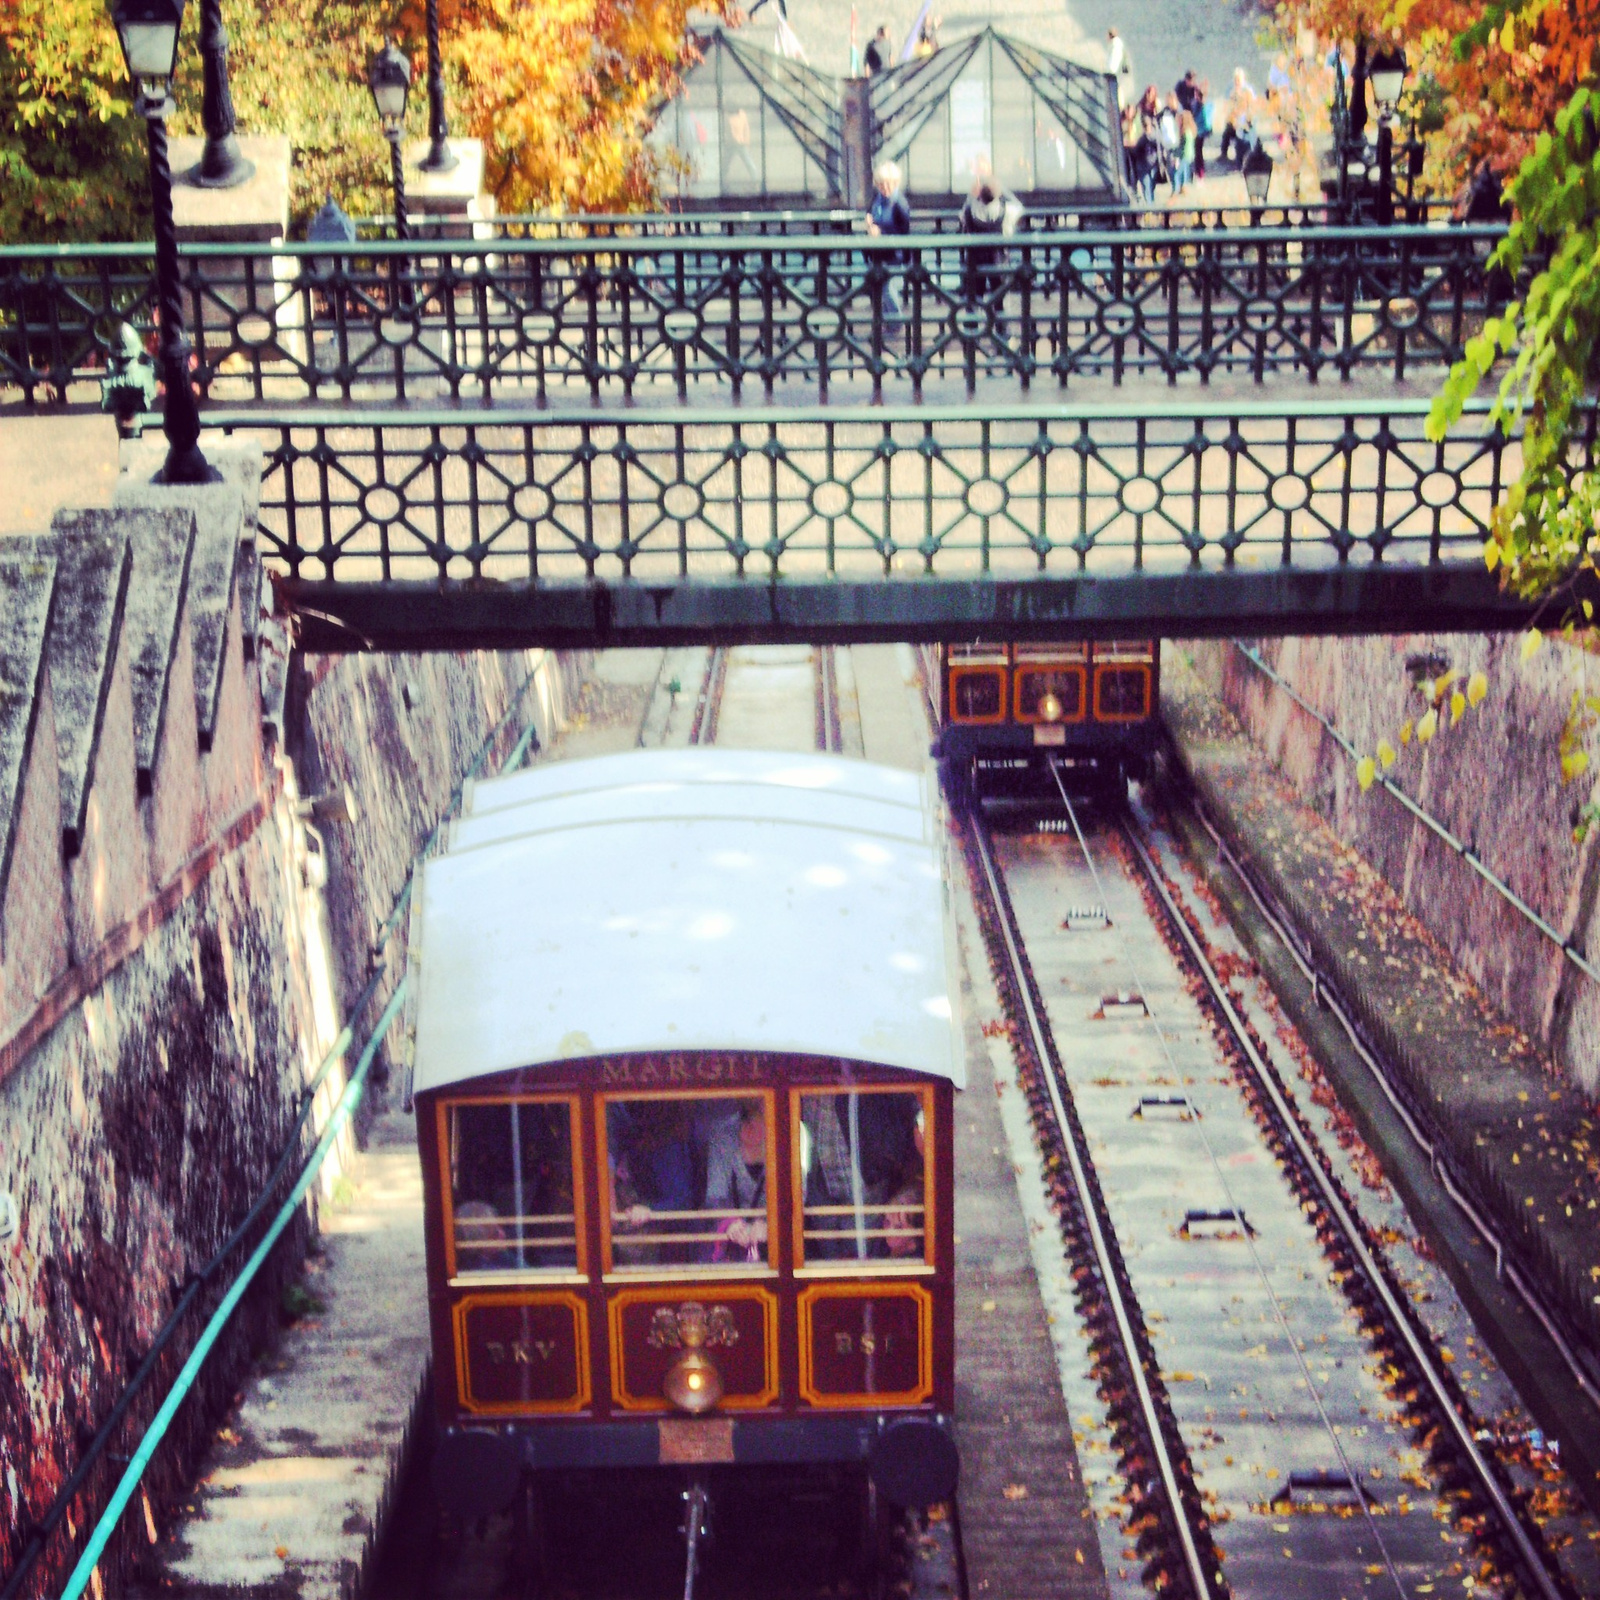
<point x="870" y="494"/>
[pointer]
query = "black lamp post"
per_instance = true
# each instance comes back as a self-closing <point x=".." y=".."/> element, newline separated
<point x="148" y="30"/>
<point x="440" y="157"/>
<point x="221" y="165"/>
<point x="389" y="79"/>
<point x="1388" y="75"/>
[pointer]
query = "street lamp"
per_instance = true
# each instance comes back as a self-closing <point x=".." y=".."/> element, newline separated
<point x="440" y="157"/>
<point x="1257" y="175"/>
<point x="389" y="79"/>
<point x="148" y="31"/>
<point x="221" y="166"/>
<point x="1388" y="81"/>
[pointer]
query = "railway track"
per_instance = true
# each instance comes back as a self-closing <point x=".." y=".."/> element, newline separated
<point x="1198" y="1529"/>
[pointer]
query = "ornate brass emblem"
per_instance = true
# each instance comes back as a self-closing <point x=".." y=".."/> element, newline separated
<point x="691" y="1326"/>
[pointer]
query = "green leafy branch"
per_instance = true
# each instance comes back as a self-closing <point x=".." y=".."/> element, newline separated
<point x="1544" y="532"/>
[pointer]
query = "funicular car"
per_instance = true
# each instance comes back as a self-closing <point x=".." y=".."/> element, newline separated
<point x="684" y="1051"/>
<point x="1011" y="710"/>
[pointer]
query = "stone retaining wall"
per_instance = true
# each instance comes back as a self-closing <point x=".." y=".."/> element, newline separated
<point x="1494" y="781"/>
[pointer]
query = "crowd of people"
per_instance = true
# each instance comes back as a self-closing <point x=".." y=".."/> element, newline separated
<point x="1164" y="140"/>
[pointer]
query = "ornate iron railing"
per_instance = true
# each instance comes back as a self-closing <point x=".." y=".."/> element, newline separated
<point x="887" y="520"/>
<point x="765" y="493"/>
<point x="801" y="318"/>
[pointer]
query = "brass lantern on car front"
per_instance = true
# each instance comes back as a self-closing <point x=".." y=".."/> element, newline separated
<point x="693" y="1382"/>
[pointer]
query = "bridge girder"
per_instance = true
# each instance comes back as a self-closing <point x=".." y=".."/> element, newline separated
<point x="1447" y="597"/>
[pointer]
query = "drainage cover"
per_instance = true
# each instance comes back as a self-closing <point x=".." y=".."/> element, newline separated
<point x="1224" y="1224"/>
<point x="1320" y="1482"/>
<point x="1166" y="1102"/>
<point x="1125" y="1004"/>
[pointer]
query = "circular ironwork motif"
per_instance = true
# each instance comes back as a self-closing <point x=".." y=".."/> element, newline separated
<point x="1140" y="495"/>
<point x="986" y="498"/>
<point x="831" y="500"/>
<point x="381" y="503"/>
<point x="682" y="501"/>
<point x="1260" y="316"/>
<point x="822" y="322"/>
<point x="254" y="328"/>
<point x="538" y="327"/>
<point x="971" y="322"/>
<point x="1118" y="318"/>
<point x="531" y="502"/>
<point x="1402" y="312"/>
<point x="1289" y="492"/>
<point x="1438" y="489"/>
<point x="681" y="325"/>
<point x="395" y="330"/>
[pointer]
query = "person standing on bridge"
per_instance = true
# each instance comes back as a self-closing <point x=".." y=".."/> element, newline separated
<point x="890" y="213"/>
<point x="879" y="50"/>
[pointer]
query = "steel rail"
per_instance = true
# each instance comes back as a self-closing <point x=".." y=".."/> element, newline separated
<point x="1296" y="1348"/>
<point x="1439" y="1161"/>
<point x="1043" y="1044"/>
<point x="708" y="704"/>
<point x="1432" y="824"/>
<point x="1529" y="1556"/>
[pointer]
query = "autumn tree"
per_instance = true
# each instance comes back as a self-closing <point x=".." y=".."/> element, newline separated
<point x="561" y="92"/>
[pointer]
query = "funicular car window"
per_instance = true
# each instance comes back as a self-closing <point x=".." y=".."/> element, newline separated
<point x="978" y="694"/>
<point x="863" y="1176"/>
<point x="511" y="1186"/>
<point x="686" y="1181"/>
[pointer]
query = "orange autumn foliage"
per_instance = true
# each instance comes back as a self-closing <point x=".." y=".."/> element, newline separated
<point x="1493" y="76"/>
<point x="562" y="93"/>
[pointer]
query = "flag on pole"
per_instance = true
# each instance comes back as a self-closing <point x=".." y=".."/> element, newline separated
<point x="909" y="49"/>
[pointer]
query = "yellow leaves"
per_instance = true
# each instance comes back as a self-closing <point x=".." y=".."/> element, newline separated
<point x="1573" y="763"/>
<point x="1428" y="726"/>
<point x="1366" y="771"/>
<point x="1387" y="754"/>
<point x="1531" y="641"/>
<point x="1477" y="688"/>
<point x="1407" y="728"/>
<point x="1508" y="36"/>
<point x="1458" y="707"/>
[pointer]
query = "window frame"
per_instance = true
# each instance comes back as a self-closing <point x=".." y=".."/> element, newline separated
<point x="873" y="1266"/>
<point x="1105" y="669"/>
<point x="1076" y="669"/>
<point x="501" y="1276"/>
<point x="610" y="1271"/>
<point x="994" y="669"/>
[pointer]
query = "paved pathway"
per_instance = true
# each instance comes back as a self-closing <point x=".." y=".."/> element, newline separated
<point x="1164" y="39"/>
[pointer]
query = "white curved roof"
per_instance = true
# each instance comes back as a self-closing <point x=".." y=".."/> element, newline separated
<point x="686" y="900"/>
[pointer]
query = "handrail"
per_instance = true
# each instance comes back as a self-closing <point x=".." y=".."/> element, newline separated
<point x="34" y="1546"/>
<point x="1167" y="407"/>
<point x="764" y="244"/>
<point x="342" y="1112"/>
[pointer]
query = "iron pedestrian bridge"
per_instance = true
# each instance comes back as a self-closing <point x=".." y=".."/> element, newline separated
<point x="731" y="435"/>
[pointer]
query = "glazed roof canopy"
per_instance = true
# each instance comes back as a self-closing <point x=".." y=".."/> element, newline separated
<point x="686" y="900"/>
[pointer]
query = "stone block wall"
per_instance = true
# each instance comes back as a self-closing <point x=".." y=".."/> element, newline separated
<point x="1494" y="781"/>
<point x="166" y="979"/>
